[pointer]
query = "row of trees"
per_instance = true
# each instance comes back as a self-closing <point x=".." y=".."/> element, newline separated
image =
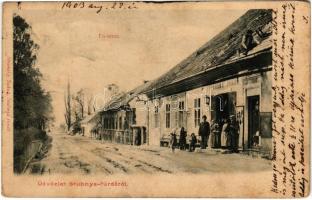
<point x="32" y="104"/>
<point x="77" y="106"/>
<point x="82" y="103"/>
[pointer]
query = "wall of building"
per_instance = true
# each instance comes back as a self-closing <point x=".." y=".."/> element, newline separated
<point x="199" y="95"/>
<point x="252" y="87"/>
<point x="153" y="114"/>
<point x="87" y="127"/>
<point x="259" y="84"/>
<point x="158" y="113"/>
<point x="154" y="128"/>
<point x="239" y="88"/>
<point x="141" y="112"/>
<point x="266" y="108"/>
<point x="140" y="117"/>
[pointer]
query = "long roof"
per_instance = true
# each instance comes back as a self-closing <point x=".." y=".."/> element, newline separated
<point x="218" y="51"/>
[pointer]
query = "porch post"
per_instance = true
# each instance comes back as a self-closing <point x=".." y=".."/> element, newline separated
<point x="142" y="135"/>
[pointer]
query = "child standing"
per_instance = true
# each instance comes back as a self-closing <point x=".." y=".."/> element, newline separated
<point x="192" y="142"/>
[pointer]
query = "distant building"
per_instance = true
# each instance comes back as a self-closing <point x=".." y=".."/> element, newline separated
<point x="124" y="118"/>
<point x="88" y="124"/>
<point x="101" y="99"/>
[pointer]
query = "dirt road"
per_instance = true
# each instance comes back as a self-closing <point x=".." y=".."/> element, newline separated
<point x="83" y="155"/>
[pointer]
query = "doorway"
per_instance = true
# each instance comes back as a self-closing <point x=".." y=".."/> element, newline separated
<point x="223" y="106"/>
<point x="139" y="134"/>
<point x="253" y="119"/>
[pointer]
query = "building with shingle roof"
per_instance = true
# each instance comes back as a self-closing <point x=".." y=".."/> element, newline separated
<point x="222" y="78"/>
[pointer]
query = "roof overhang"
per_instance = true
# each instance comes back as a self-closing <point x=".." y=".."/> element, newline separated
<point x="254" y="63"/>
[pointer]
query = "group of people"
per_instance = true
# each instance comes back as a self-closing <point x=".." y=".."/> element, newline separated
<point x="182" y="140"/>
<point x="223" y="134"/>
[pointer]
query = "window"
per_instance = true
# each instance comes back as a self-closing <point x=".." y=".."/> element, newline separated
<point x="197" y="112"/>
<point x="167" y="115"/>
<point x="176" y="119"/>
<point x="133" y="116"/>
<point x="127" y="120"/>
<point x="105" y="123"/>
<point x="110" y="123"/>
<point x="126" y="124"/>
<point x="156" y="117"/>
<point x="115" y="123"/>
<point x="173" y="112"/>
<point x="103" y="120"/>
<point x="181" y="114"/>
<point x="120" y="122"/>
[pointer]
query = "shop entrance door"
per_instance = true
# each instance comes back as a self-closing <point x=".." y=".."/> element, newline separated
<point x="253" y="118"/>
<point x="223" y="106"/>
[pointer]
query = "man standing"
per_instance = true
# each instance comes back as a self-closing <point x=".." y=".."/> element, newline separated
<point x="234" y="133"/>
<point x="203" y="132"/>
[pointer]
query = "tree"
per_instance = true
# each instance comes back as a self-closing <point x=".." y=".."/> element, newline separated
<point x="79" y="98"/>
<point x="68" y="109"/>
<point x="32" y="104"/>
<point x="90" y="105"/>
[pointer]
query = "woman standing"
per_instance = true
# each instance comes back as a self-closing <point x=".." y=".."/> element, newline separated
<point x="182" y="139"/>
<point x="173" y="140"/>
<point x="212" y="139"/>
<point x="193" y="142"/>
<point x="215" y="135"/>
<point x="225" y="140"/>
<point x="234" y="133"/>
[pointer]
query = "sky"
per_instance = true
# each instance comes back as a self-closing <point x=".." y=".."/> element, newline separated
<point x="94" y="50"/>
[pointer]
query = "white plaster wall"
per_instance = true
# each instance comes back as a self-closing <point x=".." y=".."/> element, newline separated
<point x="242" y="87"/>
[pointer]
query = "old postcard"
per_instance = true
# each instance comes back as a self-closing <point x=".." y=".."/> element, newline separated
<point x="156" y="99"/>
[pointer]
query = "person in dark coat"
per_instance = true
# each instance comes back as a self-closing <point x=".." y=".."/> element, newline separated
<point x="182" y="139"/>
<point x="204" y="132"/>
<point x="215" y="135"/>
<point x="173" y="140"/>
<point x="234" y="133"/>
<point x="192" y="142"/>
<point x="137" y="137"/>
<point x="225" y="137"/>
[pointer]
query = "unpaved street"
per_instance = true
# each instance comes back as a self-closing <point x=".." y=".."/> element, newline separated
<point x="83" y="155"/>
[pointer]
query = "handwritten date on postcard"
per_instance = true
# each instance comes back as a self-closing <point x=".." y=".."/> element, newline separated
<point x="99" y="6"/>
